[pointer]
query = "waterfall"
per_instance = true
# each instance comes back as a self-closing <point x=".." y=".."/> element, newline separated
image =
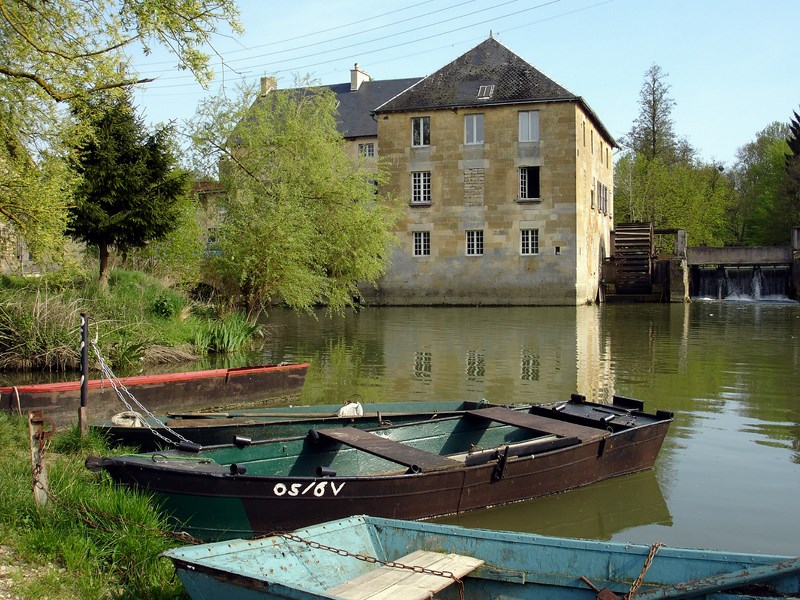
<point x="759" y="283"/>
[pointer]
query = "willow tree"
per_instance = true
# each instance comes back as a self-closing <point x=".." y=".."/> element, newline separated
<point x="302" y="220"/>
<point x="53" y="52"/>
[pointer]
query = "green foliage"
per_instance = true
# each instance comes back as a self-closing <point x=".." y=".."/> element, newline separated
<point x="138" y="321"/>
<point x="690" y="196"/>
<point x="302" y="221"/>
<point x="179" y="255"/>
<point x="230" y="333"/>
<point x="59" y="51"/>
<point x="787" y="204"/>
<point x="38" y="330"/>
<point x="753" y="217"/>
<point x="107" y="538"/>
<point x="34" y="198"/>
<point x="130" y="191"/>
<point x="168" y="304"/>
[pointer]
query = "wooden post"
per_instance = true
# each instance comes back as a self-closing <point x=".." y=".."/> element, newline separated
<point x="37" y="437"/>
<point x="83" y="423"/>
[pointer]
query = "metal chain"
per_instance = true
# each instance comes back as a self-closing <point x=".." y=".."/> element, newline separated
<point x="647" y="562"/>
<point x="122" y="392"/>
<point x="373" y="560"/>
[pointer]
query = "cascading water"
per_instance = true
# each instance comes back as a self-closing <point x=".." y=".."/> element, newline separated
<point x="759" y="283"/>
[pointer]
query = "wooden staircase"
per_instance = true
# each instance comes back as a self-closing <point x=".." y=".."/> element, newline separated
<point x="633" y="250"/>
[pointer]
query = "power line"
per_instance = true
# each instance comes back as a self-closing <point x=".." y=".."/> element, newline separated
<point x="375" y="50"/>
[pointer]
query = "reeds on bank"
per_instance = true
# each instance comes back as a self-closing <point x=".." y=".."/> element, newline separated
<point x="136" y="321"/>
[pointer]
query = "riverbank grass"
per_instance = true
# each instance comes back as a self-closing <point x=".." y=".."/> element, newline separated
<point x="138" y="320"/>
<point x="92" y="539"/>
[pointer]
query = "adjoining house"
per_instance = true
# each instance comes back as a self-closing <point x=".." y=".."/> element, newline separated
<point x="508" y="178"/>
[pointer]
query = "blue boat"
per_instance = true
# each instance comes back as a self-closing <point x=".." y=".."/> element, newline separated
<point x="371" y="557"/>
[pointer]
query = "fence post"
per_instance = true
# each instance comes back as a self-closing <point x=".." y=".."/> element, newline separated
<point x="38" y="437"/>
<point x="82" y="411"/>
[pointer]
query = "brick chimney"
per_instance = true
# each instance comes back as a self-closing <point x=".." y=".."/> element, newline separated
<point x="268" y="84"/>
<point x="357" y="77"/>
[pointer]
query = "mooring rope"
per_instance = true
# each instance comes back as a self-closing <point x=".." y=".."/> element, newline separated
<point x="123" y="392"/>
<point x="19" y="407"/>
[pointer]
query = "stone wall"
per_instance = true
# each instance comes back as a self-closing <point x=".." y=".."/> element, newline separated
<point x="476" y="186"/>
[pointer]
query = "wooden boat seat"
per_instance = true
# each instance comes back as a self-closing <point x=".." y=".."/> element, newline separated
<point x="386" y="448"/>
<point x="392" y="583"/>
<point x="538" y="423"/>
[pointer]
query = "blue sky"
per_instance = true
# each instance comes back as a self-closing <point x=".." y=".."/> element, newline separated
<point x="731" y="65"/>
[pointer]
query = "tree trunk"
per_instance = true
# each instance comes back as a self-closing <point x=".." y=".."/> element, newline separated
<point x="103" y="281"/>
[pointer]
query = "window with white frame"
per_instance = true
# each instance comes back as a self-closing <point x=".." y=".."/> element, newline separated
<point x="422" y="243"/>
<point x="529" y="183"/>
<point x="367" y="150"/>
<point x="529" y="126"/>
<point x="473" y="129"/>
<point x="421" y="131"/>
<point x="474" y="242"/>
<point x="421" y="187"/>
<point x="529" y="241"/>
<point x="485" y="92"/>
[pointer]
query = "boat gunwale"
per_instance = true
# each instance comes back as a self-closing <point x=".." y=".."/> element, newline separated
<point x="222" y="470"/>
<point x="136" y="380"/>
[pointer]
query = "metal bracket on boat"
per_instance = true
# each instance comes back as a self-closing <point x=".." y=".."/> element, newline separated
<point x="500" y="468"/>
<point x="601" y="447"/>
<point x="241" y="441"/>
<point x="604" y="594"/>
<point x="187" y="446"/>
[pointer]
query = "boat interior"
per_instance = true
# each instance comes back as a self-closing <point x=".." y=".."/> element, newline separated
<point x="477" y="437"/>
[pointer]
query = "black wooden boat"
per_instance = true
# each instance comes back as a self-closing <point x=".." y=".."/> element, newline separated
<point x="484" y="457"/>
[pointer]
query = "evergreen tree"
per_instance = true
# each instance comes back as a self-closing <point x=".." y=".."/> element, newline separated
<point x="130" y="191"/>
<point x="788" y="204"/>
<point x="652" y="134"/>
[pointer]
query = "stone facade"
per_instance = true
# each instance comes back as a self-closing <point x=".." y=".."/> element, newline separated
<point x="476" y="187"/>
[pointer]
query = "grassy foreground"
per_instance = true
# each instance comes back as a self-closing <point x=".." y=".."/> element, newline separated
<point x="92" y="540"/>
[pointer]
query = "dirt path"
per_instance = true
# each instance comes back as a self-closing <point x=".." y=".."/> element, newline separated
<point x="13" y="571"/>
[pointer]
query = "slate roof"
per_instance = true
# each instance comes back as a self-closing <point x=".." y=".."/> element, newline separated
<point x="490" y="63"/>
<point x="355" y="118"/>
<point x="356" y="108"/>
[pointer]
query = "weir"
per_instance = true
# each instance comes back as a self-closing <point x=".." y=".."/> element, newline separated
<point x="756" y="282"/>
<point x="754" y="273"/>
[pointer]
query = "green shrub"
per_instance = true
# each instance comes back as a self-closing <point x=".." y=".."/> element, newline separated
<point x="230" y="333"/>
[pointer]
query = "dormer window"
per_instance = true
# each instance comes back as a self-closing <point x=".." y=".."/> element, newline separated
<point x="485" y="92"/>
